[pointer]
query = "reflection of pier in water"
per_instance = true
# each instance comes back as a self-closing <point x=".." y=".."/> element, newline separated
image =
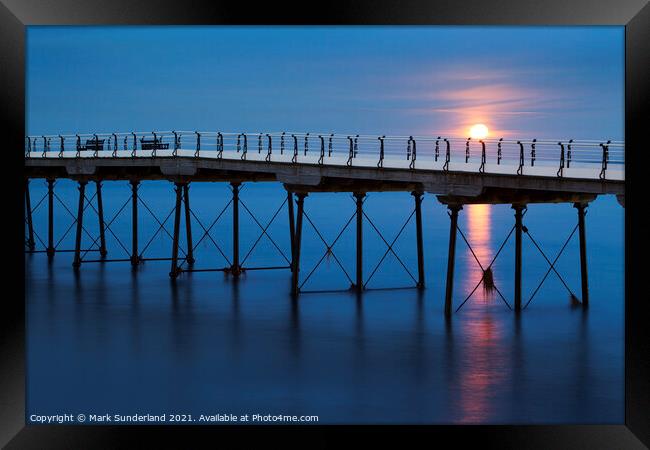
<point x="479" y="235"/>
<point x="483" y="353"/>
<point x="462" y="174"/>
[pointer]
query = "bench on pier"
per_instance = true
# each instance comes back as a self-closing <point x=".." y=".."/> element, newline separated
<point x="93" y="144"/>
<point x="153" y="144"/>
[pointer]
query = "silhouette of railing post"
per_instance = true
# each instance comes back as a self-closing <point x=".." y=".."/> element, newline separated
<point x="518" y="229"/>
<point x="188" y="224"/>
<point x="520" y="169"/>
<point x="605" y="159"/>
<point x="436" y="151"/>
<point x="560" y="171"/>
<point x="269" y="148"/>
<point x="499" y="151"/>
<point x="322" y="149"/>
<point x="581" y="206"/>
<point x="445" y="167"/>
<point x="380" y="163"/>
<point x="135" y="258"/>
<point x="80" y="216"/>
<point x="533" y="153"/>
<point x="359" y="196"/>
<point x="413" y="147"/>
<point x="451" y="256"/>
<point x="30" y="225"/>
<point x="350" y="151"/>
<point x="50" y="217"/>
<point x="100" y="217"/>
<point x="295" y="275"/>
<point x="417" y="196"/>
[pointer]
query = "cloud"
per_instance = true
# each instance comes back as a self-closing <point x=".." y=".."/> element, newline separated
<point x="456" y="96"/>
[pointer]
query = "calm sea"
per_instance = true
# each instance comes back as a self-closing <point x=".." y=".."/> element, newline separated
<point x="121" y="341"/>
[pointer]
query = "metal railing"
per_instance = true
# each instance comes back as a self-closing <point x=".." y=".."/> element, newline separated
<point x="415" y="152"/>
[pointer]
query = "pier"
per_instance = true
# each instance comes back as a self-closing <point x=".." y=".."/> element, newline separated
<point x="453" y="171"/>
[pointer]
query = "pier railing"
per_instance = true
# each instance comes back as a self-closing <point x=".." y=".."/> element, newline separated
<point x="592" y="158"/>
<point x="574" y="171"/>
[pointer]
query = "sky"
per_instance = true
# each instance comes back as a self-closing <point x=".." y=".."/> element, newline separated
<point x="521" y="82"/>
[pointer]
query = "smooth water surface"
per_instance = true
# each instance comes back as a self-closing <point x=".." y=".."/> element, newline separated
<point x="117" y="340"/>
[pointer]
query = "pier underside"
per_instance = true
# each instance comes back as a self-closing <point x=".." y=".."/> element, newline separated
<point x="452" y="188"/>
<point x="320" y="178"/>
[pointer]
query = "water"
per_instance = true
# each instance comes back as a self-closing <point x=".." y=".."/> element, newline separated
<point x="111" y="340"/>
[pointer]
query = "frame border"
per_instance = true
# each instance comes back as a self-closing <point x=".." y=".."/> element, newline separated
<point x="15" y="15"/>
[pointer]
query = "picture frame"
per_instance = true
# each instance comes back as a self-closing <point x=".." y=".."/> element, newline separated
<point x="15" y="15"/>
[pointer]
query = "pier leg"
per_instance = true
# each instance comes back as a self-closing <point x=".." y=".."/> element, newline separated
<point x="50" y="217"/>
<point x="518" y="229"/>
<point x="177" y="225"/>
<point x="30" y="225"/>
<point x="583" y="252"/>
<point x="295" y="278"/>
<point x="188" y="224"/>
<point x="359" y="279"/>
<point x="80" y="217"/>
<point x="292" y="226"/>
<point x="100" y="215"/>
<point x="451" y="257"/>
<point x="135" y="258"/>
<point x="235" y="269"/>
<point x="418" y="227"/>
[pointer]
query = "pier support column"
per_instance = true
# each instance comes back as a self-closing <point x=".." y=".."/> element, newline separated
<point x="135" y="258"/>
<point x="30" y="225"/>
<point x="50" y="217"/>
<point x="292" y="226"/>
<point x="173" y="273"/>
<point x="295" y="272"/>
<point x="583" y="252"/>
<point x="451" y="257"/>
<point x="235" y="269"/>
<point x="188" y="223"/>
<point x="80" y="217"/>
<point x="420" y="246"/>
<point x="359" y="278"/>
<point x="100" y="216"/>
<point x="518" y="229"/>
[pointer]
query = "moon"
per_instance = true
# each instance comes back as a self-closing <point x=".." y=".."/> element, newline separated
<point x="478" y="131"/>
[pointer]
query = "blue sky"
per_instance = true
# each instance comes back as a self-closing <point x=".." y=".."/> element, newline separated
<point x="524" y="82"/>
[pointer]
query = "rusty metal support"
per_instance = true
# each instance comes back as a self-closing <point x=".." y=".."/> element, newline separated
<point x="135" y="258"/>
<point x="173" y="273"/>
<point x="188" y="224"/>
<point x="100" y="216"/>
<point x="295" y="273"/>
<point x="235" y="269"/>
<point x="518" y="229"/>
<point x="50" y="217"/>
<point x="418" y="228"/>
<point x="583" y="252"/>
<point x="292" y="226"/>
<point x="451" y="257"/>
<point x="358" y="285"/>
<point x="80" y="216"/>
<point x="30" y="225"/>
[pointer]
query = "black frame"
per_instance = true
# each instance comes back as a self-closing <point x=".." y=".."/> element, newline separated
<point x="633" y="14"/>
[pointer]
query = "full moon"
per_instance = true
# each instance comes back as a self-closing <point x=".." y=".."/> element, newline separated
<point x="478" y="131"/>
